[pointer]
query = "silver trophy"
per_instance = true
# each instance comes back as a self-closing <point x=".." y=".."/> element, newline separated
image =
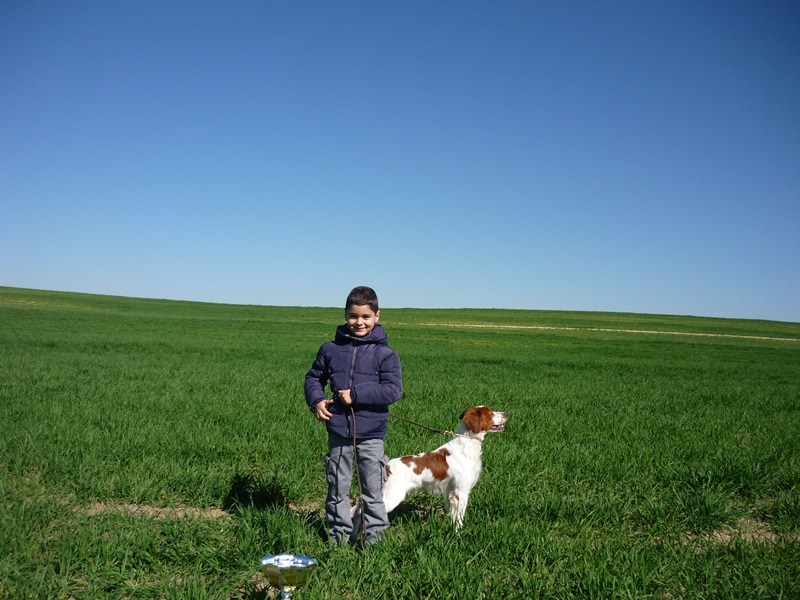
<point x="287" y="571"/>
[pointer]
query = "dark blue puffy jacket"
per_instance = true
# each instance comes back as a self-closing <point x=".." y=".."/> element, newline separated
<point x="369" y="368"/>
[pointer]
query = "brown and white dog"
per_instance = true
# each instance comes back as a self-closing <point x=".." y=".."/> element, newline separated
<point x="451" y="470"/>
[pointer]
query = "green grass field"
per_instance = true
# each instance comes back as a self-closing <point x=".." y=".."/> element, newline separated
<point x="157" y="449"/>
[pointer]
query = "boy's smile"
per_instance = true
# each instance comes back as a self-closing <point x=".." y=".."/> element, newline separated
<point x="361" y="320"/>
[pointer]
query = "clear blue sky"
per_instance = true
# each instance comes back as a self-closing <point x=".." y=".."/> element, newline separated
<point x="612" y="156"/>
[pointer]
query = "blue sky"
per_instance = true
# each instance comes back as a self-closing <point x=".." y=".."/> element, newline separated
<point x="600" y="156"/>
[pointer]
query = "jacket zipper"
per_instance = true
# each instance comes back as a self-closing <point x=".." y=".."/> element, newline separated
<point x="351" y="416"/>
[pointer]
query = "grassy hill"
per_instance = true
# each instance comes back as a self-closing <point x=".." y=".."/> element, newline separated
<point x="156" y="448"/>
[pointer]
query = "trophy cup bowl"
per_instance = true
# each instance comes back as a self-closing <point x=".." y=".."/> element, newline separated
<point x="288" y="571"/>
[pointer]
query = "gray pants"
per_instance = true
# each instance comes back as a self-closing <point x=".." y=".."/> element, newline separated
<point x="339" y="473"/>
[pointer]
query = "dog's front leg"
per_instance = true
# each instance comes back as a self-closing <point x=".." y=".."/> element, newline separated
<point x="458" y="506"/>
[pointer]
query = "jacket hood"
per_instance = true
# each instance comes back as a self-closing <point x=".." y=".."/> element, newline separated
<point x="376" y="336"/>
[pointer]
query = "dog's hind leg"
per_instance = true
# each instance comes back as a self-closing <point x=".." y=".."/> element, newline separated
<point x="356" y="516"/>
<point x="394" y="493"/>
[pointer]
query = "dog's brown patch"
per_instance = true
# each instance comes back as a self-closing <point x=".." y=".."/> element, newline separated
<point x="435" y="462"/>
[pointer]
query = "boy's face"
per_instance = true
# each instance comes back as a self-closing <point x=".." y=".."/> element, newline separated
<point x="361" y="320"/>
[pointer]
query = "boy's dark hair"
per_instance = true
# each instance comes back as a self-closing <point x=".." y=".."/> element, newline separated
<point x="362" y="296"/>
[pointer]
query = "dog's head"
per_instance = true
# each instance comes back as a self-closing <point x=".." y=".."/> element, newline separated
<point x="481" y="419"/>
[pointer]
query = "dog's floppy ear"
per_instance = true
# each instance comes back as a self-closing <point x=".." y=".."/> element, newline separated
<point x="472" y="419"/>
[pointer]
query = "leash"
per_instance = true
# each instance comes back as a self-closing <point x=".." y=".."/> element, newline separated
<point x="442" y="431"/>
<point x="362" y="528"/>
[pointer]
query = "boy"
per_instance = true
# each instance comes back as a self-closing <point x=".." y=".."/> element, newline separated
<point x="364" y="377"/>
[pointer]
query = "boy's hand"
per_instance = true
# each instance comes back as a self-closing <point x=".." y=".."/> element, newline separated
<point x="321" y="410"/>
<point x="344" y="397"/>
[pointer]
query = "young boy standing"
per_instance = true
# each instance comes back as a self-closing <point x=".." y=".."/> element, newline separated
<point x="363" y="372"/>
